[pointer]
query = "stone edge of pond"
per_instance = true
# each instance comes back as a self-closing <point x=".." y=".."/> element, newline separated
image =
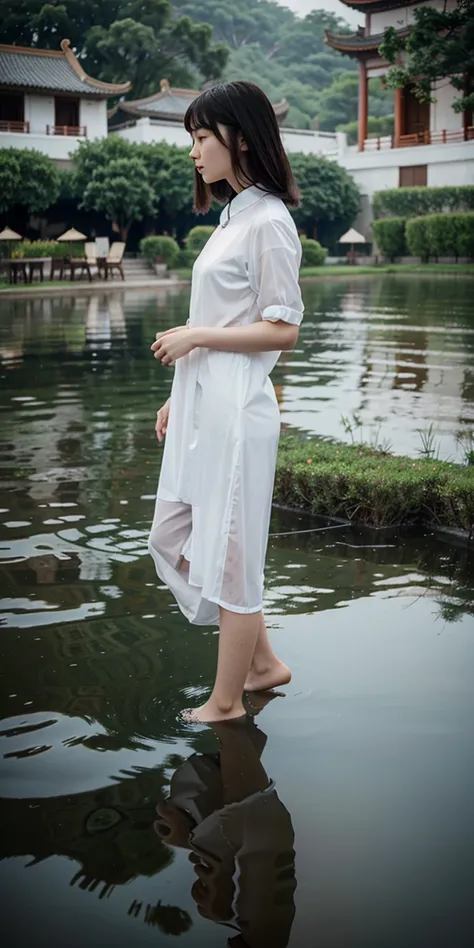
<point x="366" y="488"/>
<point x="87" y="289"/>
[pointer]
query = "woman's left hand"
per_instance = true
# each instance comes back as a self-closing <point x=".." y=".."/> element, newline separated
<point x="173" y="344"/>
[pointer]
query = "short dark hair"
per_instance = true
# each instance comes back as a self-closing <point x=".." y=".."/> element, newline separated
<point x="243" y="108"/>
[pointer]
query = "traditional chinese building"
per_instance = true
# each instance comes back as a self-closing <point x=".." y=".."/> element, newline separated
<point x="415" y="122"/>
<point x="431" y="144"/>
<point x="48" y="102"/>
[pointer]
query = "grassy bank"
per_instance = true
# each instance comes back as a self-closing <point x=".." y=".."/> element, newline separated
<point x="344" y="270"/>
<point x="372" y="488"/>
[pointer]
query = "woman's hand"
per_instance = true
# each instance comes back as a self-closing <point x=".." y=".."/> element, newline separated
<point x="173" y="344"/>
<point x="162" y="420"/>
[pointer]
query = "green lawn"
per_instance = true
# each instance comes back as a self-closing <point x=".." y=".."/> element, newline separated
<point x="305" y="273"/>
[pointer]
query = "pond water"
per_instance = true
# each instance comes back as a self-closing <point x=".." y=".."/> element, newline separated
<point x="366" y="836"/>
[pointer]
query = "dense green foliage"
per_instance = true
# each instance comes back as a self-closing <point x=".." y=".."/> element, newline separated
<point x="441" y="235"/>
<point x="329" y="198"/>
<point x="390" y="236"/>
<point x="160" y="250"/>
<point x="119" y="40"/>
<point x="376" y="128"/>
<point x="198" y="237"/>
<point x="414" y="202"/>
<point x="440" y="44"/>
<point x="28" y="179"/>
<point x="313" y="254"/>
<point x="45" y="248"/>
<point x="122" y="192"/>
<point x="370" y="487"/>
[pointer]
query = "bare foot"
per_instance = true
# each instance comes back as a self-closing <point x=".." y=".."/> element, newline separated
<point x="210" y="712"/>
<point x="271" y="677"/>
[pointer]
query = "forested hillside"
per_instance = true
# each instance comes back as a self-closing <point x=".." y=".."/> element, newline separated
<point x="190" y="42"/>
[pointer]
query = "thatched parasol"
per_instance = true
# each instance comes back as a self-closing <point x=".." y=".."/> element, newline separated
<point x="71" y="236"/>
<point x="352" y="237"/>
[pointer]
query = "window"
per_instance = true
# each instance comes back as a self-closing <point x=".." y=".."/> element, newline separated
<point x="12" y="109"/>
<point x="413" y="176"/>
<point x="66" y="112"/>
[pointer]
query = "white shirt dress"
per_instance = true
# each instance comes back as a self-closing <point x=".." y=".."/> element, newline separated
<point x="216" y="482"/>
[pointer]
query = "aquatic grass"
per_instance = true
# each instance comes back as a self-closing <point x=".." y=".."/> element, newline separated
<point x="371" y="487"/>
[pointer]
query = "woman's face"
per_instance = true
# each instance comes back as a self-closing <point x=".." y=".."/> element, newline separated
<point x="212" y="158"/>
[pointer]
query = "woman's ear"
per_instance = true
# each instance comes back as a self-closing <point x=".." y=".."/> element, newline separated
<point x="243" y="144"/>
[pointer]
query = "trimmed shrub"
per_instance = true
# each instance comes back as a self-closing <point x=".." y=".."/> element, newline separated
<point x="441" y="235"/>
<point x="465" y="235"/>
<point x="313" y="254"/>
<point x="372" y="487"/>
<point x="186" y="259"/>
<point x="198" y="237"/>
<point x="160" y="249"/>
<point x="415" y="202"/>
<point x="390" y="236"/>
<point x="416" y="237"/>
<point x="46" y="248"/>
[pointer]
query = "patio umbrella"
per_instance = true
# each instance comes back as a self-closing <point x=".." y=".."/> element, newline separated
<point x="352" y="237"/>
<point x="70" y="237"/>
<point x="9" y="236"/>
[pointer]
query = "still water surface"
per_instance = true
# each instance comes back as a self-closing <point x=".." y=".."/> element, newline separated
<point x="366" y="836"/>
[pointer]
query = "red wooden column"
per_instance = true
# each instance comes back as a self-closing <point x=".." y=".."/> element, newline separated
<point x="398" y="116"/>
<point x="363" y="104"/>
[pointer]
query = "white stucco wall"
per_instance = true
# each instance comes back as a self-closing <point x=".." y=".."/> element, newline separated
<point x="93" y="114"/>
<point x="39" y="112"/>
<point x="57" y="147"/>
<point x="403" y="16"/>
<point x="441" y="112"/>
<point x="379" y="170"/>
<point x="294" y="140"/>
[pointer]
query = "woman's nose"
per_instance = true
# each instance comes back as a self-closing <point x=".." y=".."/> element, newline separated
<point x="193" y="153"/>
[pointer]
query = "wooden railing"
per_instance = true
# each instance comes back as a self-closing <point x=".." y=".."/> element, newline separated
<point x="75" y="131"/>
<point x="445" y="136"/>
<point x="22" y="127"/>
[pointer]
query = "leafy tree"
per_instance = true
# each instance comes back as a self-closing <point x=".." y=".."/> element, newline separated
<point x="170" y="174"/>
<point x="140" y="40"/>
<point x="440" y="44"/>
<point x="240" y="22"/>
<point x="338" y="103"/>
<point x="92" y="155"/>
<point x="28" y="179"/>
<point x="120" y="190"/>
<point x="376" y="127"/>
<point x="329" y="198"/>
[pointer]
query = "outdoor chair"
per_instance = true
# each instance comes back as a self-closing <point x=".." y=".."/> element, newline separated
<point x="91" y="257"/>
<point x="114" y="259"/>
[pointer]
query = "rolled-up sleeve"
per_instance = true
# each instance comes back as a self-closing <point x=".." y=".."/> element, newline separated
<point x="273" y="269"/>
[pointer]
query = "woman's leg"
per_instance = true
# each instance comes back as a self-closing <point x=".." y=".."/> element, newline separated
<point x="266" y="670"/>
<point x="237" y="639"/>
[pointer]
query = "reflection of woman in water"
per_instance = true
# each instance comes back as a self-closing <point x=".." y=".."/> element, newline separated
<point x="226" y="811"/>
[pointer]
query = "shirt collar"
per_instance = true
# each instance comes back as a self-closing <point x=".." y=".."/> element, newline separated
<point x="240" y="202"/>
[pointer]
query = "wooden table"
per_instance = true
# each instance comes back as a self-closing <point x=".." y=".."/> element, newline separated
<point x="25" y="267"/>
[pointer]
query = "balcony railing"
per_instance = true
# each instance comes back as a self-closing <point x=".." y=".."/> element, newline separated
<point x="446" y="136"/>
<point x="75" y="131"/>
<point x="22" y="127"/>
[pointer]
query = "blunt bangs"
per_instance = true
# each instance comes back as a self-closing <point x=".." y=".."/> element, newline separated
<point x="244" y="110"/>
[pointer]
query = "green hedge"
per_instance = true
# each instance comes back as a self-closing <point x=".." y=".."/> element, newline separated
<point x="390" y="236"/>
<point x="313" y="254"/>
<point x="160" y="249"/>
<point x="186" y="259"/>
<point x="441" y="235"/>
<point x="47" y="248"/>
<point x="198" y="237"/>
<point x="372" y="488"/>
<point x="415" y="202"/>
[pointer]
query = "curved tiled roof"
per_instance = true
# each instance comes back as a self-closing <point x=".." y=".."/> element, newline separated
<point x="374" y="6"/>
<point x="51" y="70"/>
<point x="353" y="44"/>
<point x="171" y="104"/>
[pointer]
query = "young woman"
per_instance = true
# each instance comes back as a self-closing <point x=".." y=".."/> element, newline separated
<point x="222" y="422"/>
